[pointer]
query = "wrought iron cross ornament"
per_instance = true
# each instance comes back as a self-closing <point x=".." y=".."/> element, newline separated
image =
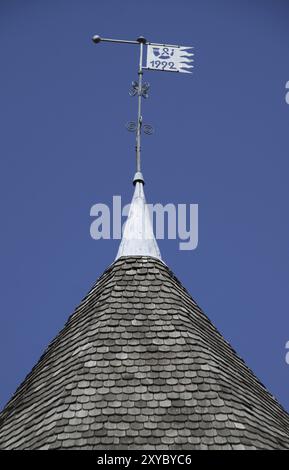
<point x="160" y="57"/>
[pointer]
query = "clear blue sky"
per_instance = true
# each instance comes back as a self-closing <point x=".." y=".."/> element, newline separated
<point x="221" y="141"/>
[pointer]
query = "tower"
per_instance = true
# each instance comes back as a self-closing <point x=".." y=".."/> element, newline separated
<point x="139" y="365"/>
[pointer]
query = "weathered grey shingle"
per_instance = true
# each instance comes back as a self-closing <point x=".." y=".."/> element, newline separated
<point x="139" y="365"/>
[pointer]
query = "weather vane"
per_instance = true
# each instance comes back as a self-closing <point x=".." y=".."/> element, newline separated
<point x="160" y="57"/>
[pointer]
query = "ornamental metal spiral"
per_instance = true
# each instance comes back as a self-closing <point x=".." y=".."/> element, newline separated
<point x="148" y="129"/>
<point x="134" y="91"/>
<point x="144" y="90"/>
<point x="132" y="127"/>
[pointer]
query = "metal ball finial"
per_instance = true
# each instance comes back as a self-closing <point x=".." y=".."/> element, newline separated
<point x="141" y="40"/>
<point x="96" y="39"/>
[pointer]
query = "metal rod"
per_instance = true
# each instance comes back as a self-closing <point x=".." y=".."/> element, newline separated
<point x="121" y="41"/>
<point x="139" y="116"/>
<point x="124" y="41"/>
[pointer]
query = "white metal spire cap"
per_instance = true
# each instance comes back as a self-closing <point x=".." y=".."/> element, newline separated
<point x="138" y="237"/>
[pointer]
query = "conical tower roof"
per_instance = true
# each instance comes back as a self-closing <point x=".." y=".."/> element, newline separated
<point x="138" y="365"/>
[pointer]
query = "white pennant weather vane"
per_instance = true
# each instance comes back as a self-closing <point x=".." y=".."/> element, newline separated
<point x="159" y="57"/>
<point x="169" y="58"/>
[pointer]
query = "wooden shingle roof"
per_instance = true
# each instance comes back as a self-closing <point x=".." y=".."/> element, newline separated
<point x="138" y="365"/>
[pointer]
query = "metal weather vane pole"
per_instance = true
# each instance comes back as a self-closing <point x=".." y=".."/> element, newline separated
<point x="160" y="57"/>
<point x="141" y="41"/>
